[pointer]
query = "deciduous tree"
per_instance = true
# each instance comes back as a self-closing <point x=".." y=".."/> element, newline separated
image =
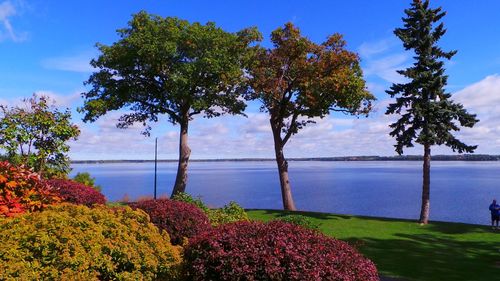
<point x="297" y="81"/>
<point x="167" y="66"/>
<point x="427" y="114"/>
<point x="36" y="134"/>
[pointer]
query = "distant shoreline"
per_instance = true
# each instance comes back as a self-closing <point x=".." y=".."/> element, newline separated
<point x="465" y="157"/>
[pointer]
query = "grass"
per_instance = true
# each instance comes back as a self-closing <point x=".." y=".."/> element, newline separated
<point x="404" y="249"/>
<point x="116" y="204"/>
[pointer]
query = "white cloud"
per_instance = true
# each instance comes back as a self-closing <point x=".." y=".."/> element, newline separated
<point x="382" y="59"/>
<point x="370" y="136"/>
<point x="335" y="135"/>
<point x="75" y="63"/>
<point x="375" y="88"/>
<point x="216" y="129"/>
<point x="387" y="66"/>
<point x="7" y="10"/>
<point x="481" y="95"/>
<point x="482" y="98"/>
<point x="56" y="99"/>
<point x="60" y="100"/>
<point x="256" y="123"/>
<point x="219" y="138"/>
<point x="368" y="49"/>
<point x="104" y="138"/>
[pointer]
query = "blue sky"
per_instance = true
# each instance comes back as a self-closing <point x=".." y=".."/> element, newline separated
<point x="45" y="47"/>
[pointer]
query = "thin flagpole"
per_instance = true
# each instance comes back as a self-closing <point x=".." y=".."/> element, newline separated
<point x="156" y="163"/>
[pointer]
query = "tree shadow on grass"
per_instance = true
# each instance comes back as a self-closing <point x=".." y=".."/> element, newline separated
<point x="438" y="226"/>
<point x="427" y="257"/>
<point x="316" y="215"/>
<point x="435" y="226"/>
<point x="457" y="228"/>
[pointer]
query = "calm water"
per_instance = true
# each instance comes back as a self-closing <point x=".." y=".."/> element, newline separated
<point x="460" y="191"/>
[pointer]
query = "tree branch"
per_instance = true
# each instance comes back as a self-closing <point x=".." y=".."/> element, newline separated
<point x="194" y="113"/>
<point x="170" y="112"/>
<point x="292" y="127"/>
<point x="346" y="111"/>
<point x="287" y="96"/>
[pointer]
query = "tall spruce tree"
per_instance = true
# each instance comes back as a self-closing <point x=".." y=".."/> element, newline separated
<point x="427" y="115"/>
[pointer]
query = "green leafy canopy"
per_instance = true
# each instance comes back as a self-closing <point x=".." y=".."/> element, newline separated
<point x="298" y="80"/>
<point x="86" y="179"/>
<point x="169" y="66"/>
<point x="37" y="134"/>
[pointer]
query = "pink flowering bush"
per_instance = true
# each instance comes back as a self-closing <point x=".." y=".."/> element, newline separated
<point x="180" y="219"/>
<point x="273" y="251"/>
<point x="77" y="193"/>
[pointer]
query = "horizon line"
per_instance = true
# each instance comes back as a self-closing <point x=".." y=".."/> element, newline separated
<point x="459" y="157"/>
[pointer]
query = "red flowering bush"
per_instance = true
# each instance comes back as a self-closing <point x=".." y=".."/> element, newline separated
<point x="273" y="251"/>
<point x="181" y="220"/>
<point x="22" y="190"/>
<point x="77" y="193"/>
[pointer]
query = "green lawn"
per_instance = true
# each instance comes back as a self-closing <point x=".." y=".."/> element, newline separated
<point x="400" y="248"/>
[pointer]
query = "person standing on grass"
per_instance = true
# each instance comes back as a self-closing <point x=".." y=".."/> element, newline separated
<point x="495" y="214"/>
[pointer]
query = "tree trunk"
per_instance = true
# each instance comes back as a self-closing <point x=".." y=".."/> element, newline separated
<point x="425" y="209"/>
<point x="41" y="167"/>
<point x="286" y="191"/>
<point x="184" y="153"/>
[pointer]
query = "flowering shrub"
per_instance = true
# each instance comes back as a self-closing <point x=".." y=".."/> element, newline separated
<point x="181" y="220"/>
<point x="70" y="242"/>
<point x="273" y="251"/>
<point x="77" y="193"/>
<point x="299" y="220"/>
<point x="22" y="190"/>
<point x="227" y="214"/>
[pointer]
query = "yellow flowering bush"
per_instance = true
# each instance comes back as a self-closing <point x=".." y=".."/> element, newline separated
<point x="70" y="242"/>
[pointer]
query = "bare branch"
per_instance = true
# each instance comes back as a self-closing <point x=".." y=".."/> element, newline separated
<point x="292" y="128"/>
<point x="194" y="113"/>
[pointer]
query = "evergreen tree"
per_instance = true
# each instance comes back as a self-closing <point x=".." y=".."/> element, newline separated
<point x="427" y="115"/>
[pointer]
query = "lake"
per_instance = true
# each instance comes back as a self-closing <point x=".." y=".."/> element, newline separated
<point x="460" y="191"/>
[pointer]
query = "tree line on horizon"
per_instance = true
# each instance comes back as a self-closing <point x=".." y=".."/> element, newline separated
<point x="359" y="158"/>
<point x="171" y="67"/>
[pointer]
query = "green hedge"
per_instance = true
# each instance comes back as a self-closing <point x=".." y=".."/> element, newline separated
<point x="231" y="212"/>
<point x="300" y="220"/>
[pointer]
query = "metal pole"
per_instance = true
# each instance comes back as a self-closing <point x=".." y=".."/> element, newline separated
<point x="156" y="163"/>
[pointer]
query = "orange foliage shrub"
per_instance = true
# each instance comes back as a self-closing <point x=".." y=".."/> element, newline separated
<point x="22" y="190"/>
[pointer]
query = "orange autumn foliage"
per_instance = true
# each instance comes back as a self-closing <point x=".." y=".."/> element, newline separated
<point x="22" y="190"/>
